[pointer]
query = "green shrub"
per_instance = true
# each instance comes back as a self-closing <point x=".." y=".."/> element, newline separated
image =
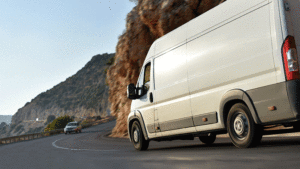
<point x="59" y="123"/>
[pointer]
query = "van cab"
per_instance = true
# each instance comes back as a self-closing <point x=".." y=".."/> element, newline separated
<point x="233" y="69"/>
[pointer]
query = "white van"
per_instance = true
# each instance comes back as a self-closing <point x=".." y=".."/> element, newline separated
<point x="234" y="69"/>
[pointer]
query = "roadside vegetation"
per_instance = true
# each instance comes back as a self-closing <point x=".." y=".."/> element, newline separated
<point x="59" y="123"/>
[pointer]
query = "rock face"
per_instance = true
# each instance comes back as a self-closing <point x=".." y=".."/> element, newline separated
<point x="149" y="20"/>
<point x="83" y="94"/>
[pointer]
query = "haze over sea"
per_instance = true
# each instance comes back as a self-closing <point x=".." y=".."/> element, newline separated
<point x="5" y="118"/>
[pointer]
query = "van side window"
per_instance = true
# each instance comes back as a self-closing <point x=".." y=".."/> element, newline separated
<point x="147" y="73"/>
<point x="140" y="82"/>
<point x="147" y="76"/>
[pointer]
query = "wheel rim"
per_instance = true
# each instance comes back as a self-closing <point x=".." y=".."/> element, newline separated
<point x="240" y="126"/>
<point x="136" y="135"/>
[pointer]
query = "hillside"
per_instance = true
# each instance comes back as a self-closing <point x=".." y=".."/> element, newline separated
<point x="82" y="94"/>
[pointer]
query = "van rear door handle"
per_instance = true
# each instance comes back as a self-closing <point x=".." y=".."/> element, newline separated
<point x="151" y="97"/>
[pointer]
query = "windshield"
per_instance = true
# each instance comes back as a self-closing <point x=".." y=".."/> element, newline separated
<point x="72" y="124"/>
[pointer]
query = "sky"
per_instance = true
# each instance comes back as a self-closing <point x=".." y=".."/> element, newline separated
<point x="42" y="43"/>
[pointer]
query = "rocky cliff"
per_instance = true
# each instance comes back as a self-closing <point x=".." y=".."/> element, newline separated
<point x="83" y="94"/>
<point x="149" y="20"/>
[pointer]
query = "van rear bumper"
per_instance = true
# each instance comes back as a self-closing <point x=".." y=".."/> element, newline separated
<point x="293" y="91"/>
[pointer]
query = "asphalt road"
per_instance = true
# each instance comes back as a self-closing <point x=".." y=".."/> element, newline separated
<point x="92" y="149"/>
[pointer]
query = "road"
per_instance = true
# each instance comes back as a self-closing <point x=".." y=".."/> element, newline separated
<point x="92" y="149"/>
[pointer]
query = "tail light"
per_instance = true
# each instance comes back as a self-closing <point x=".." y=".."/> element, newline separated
<point x="290" y="58"/>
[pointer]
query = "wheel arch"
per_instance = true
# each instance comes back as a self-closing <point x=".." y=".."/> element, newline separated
<point x="137" y="117"/>
<point x="236" y="96"/>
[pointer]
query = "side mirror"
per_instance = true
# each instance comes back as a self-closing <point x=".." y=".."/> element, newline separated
<point x="131" y="91"/>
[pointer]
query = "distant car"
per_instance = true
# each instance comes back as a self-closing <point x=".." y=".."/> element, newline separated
<point x="72" y="127"/>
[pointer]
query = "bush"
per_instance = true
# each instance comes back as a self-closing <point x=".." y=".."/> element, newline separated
<point x="59" y="123"/>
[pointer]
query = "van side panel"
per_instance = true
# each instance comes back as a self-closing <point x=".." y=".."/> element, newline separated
<point x="220" y="15"/>
<point x="278" y="37"/>
<point x="236" y="55"/>
<point x="170" y="70"/>
<point x="171" y="40"/>
<point x="172" y="102"/>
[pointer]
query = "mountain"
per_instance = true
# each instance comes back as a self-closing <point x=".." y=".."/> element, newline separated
<point x="83" y="94"/>
<point x="145" y="23"/>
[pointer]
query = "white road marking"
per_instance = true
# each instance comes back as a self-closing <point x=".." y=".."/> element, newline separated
<point x="282" y="135"/>
<point x="54" y="145"/>
<point x="273" y="135"/>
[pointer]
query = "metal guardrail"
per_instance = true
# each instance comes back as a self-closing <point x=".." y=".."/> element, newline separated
<point x="28" y="136"/>
<point x="48" y="133"/>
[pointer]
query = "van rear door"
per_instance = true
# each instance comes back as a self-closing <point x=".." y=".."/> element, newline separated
<point x="292" y="16"/>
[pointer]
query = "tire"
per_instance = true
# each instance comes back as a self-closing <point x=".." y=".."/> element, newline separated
<point x="296" y="126"/>
<point x="138" y="138"/>
<point x="242" y="130"/>
<point x="210" y="139"/>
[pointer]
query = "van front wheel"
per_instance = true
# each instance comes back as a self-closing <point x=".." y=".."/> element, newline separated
<point x="138" y="138"/>
<point x="242" y="130"/>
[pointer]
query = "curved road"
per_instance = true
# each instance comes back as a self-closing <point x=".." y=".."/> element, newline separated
<point x="91" y="149"/>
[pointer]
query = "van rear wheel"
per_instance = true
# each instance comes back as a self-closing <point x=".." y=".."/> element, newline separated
<point x="138" y="138"/>
<point x="241" y="127"/>
<point x="296" y="126"/>
<point x="209" y="139"/>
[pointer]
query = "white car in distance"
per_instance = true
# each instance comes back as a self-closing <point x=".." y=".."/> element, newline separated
<point x="72" y="127"/>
